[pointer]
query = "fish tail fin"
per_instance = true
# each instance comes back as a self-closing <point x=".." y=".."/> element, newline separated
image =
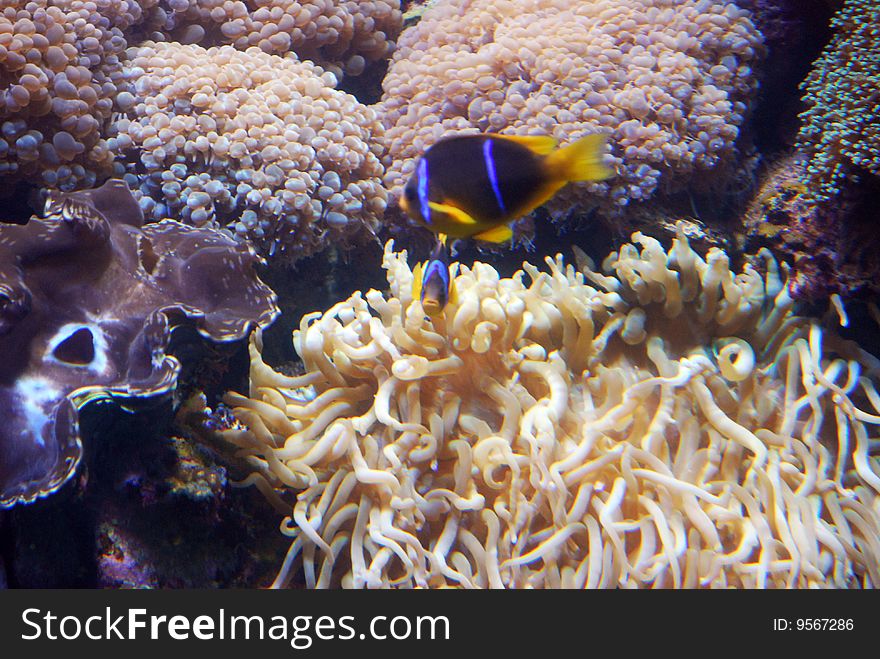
<point x="580" y="161"/>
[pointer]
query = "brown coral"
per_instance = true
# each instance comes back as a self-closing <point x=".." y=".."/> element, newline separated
<point x="669" y="81"/>
<point x="258" y="143"/>
<point x="60" y="72"/>
<point x="834" y="247"/>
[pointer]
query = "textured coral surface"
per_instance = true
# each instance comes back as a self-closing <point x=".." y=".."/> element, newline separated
<point x="261" y="144"/>
<point x="833" y="247"/>
<point x="840" y="129"/>
<point x="60" y="72"/>
<point x="344" y="36"/>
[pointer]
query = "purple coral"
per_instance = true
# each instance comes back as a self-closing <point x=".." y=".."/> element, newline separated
<point x="88" y="300"/>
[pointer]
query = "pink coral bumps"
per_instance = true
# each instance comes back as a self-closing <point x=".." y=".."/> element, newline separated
<point x="60" y="72"/>
<point x="339" y="35"/>
<point x="261" y="144"/>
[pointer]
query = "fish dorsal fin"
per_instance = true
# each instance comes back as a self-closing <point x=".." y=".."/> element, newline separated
<point x="453" y="293"/>
<point x="459" y="215"/>
<point x="417" y="282"/>
<point x="540" y="144"/>
<point x="499" y="234"/>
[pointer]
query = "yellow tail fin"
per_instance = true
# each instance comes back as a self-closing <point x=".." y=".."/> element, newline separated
<point x="581" y="161"/>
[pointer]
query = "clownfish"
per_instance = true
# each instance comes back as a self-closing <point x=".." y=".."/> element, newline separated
<point x="473" y="186"/>
<point x="432" y="283"/>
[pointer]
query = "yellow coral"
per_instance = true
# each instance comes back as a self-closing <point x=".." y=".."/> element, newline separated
<point x="668" y="423"/>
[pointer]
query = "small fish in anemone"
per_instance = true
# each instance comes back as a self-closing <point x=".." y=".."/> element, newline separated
<point x="473" y="186"/>
<point x="432" y="282"/>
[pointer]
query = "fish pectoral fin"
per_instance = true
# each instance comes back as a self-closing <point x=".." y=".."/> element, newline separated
<point x="499" y="234"/>
<point x="540" y="144"/>
<point x="455" y="213"/>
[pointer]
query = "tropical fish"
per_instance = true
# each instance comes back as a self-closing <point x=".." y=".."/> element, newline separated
<point x="475" y="185"/>
<point x="432" y="283"/>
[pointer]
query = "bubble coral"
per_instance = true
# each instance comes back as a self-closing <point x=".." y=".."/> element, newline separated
<point x="840" y="129"/>
<point x="60" y="72"/>
<point x="261" y="144"/>
<point x="669" y="424"/>
<point x="88" y="301"/>
<point x="342" y="36"/>
<point x="669" y="81"/>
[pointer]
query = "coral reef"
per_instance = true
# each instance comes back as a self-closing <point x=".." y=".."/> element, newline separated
<point x="674" y="420"/>
<point x="63" y="70"/>
<point x="122" y="564"/>
<point x="669" y="82"/>
<point x="794" y="33"/>
<point x="669" y="423"/>
<point x="840" y="129"/>
<point x="60" y="72"/>
<point x="833" y="247"/>
<point x="261" y="144"/>
<point x="158" y="512"/>
<point x="169" y="517"/>
<point x="814" y="207"/>
<point x="342" y="36"/>
<point x="88" y="301"/>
